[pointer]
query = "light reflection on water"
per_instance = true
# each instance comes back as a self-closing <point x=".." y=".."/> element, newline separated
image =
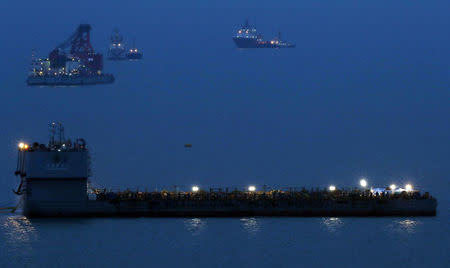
<point x="332" y="224"/>
<point x="195" y="226"/>
<point x="251" y="225"/>
<point x="407" y="226"/>
<point x="19" y="232"/>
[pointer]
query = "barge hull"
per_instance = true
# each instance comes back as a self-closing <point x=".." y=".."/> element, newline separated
<point x="133" y="208"/>
<point x="69" y="81"/>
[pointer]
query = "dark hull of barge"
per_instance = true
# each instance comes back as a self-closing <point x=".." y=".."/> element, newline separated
<point x="304" y="208"/>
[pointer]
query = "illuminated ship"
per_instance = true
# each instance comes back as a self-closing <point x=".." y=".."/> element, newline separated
<point x="134" y="53"/>
<point x="117" y="48"/>
<point x="81" y="65"/>
<point x="247" y="37"/>
<point x="54" y="182"/>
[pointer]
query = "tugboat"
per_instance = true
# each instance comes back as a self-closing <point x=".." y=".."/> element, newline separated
<point x="117" y="48"/>
<point x="247" y="37"/>
<point x="134" y="53"/>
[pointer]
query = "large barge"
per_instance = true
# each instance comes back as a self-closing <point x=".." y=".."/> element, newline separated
<point x="54" y="183"/>
<point x="81" y="65"/>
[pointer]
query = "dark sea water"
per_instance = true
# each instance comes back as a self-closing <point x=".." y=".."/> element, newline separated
<point x="366" y="93"/>
<point x="211" y="242"/>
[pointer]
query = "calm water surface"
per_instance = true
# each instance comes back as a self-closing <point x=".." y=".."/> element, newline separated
<point x="194" y="242"/>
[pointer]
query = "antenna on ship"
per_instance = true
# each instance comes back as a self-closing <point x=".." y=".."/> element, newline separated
<point x="56" y="128"/>
<point x="61" y="133"/>
<point x="33" y="63"/>
<point x="52" y="130"/>
<point x="246" y="25"/>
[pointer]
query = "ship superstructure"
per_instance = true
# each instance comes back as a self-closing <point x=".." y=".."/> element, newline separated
<point x="73" y="62"/>
<point x="54" y="183"/>
<point x="116" y="49"/>
<point x="248" y="37"/>
<point x="53" y="177"/>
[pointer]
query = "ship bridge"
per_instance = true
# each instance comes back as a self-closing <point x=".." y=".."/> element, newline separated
<point x="247" y="31"/>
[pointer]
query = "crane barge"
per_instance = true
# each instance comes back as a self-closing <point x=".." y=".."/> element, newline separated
<point x="80" y="65"/>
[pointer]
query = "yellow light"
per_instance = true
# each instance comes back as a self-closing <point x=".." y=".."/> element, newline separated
<point x="251" y="188"/>
<point x="25" y="146"/>
<point x="332" y="188"/>
<point x="363" y="182"/>
<point x="21" y="145"/>
<point x="195" y="189"/>
<point x="393" y="187"/>
<point x="408" y="187"/>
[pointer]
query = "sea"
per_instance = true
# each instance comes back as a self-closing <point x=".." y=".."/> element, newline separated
<point x="365" y="94"/>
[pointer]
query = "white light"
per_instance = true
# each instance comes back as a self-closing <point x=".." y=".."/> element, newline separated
<point x="21" y="145"/>
<point x="195" y="188"/>
<point x="393" y="187"/>
<point x="332" y="188"/>
<point x="363" y="182"/>
<point x="408" y="187"/>
<point x="251" y="188"/>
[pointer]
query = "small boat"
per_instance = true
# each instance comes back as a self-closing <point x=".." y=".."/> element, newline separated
<point x="134" y="53"/>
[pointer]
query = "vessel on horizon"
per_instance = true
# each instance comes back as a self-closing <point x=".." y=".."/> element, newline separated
<point x="81" y="65"/>
<point x="134" y="53"/>
<point x="248" y="37"/>
<point x="116" y="49"/>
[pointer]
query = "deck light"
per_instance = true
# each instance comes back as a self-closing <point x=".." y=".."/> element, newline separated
<point x="408" y="187"/>
<point x="363" y="182"/>
<point x="21" y="145"/>
<point x="195" y="189"/>
<point x="251" y="188"/>
<point x="392" y="187"/>
<point x="332" y="188"/>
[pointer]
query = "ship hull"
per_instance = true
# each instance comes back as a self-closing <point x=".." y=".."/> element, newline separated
<point x="69" y="80"/>
<point x="254" y="43"/>
<point x="117" y="58"/>
<point x="134" y="56"/>
<point x="116" y="54"/>
<point x="223" y="208"/>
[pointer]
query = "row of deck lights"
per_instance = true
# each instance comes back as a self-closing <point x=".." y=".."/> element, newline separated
<point x="363" y="183"/>
<point x="251" y="188"/>
<point x="331" y="188"/>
